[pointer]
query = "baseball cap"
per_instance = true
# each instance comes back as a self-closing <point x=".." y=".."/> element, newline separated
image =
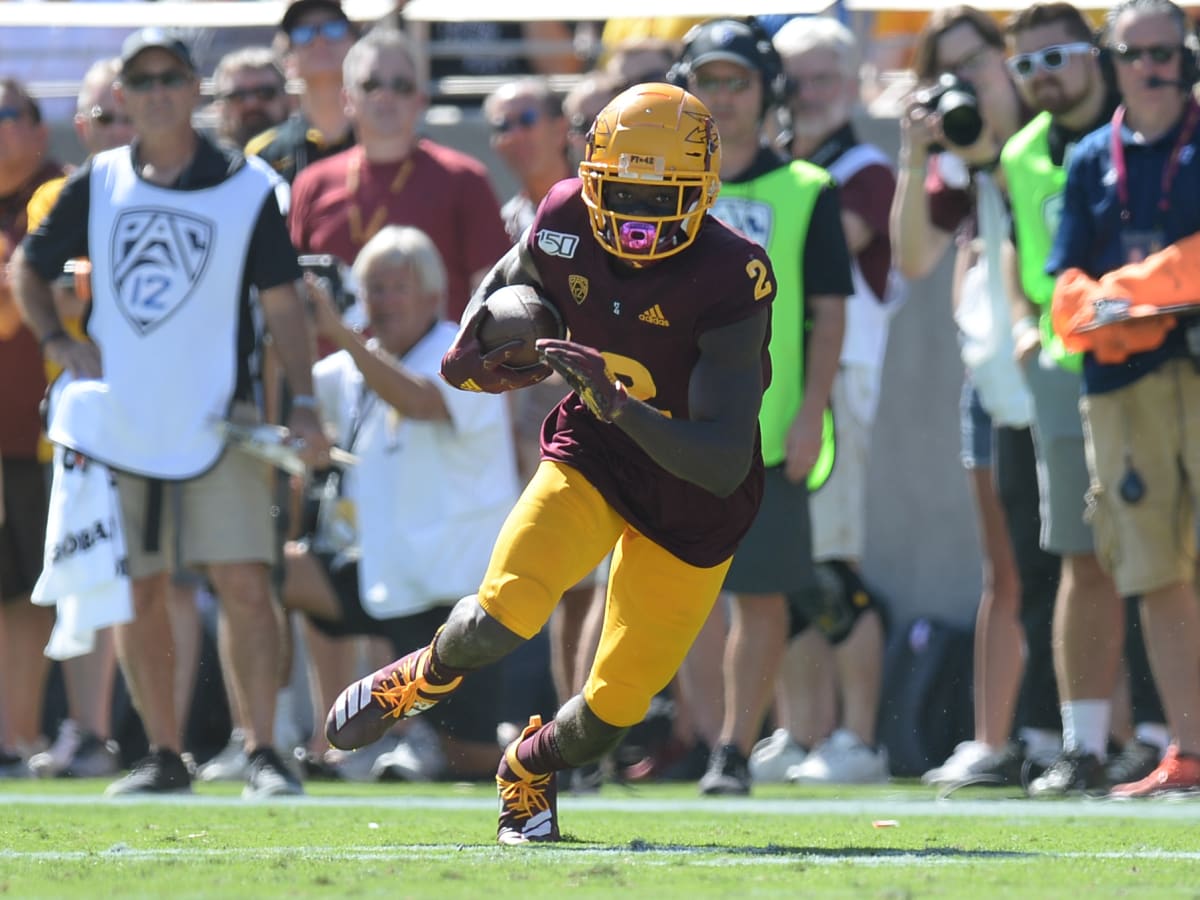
<point x="298" y="8"/>
<point x="156" y="39"/>
<point x="723" y="40"/>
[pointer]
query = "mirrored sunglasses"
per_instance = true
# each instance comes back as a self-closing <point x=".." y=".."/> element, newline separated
<point x="333" y="30"/>
<point x="523" y="120"/>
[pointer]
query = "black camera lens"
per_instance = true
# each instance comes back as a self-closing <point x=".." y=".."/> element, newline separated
<point x="955" y="102"/>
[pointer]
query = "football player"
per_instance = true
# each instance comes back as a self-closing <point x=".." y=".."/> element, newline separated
<point x="655" y="455"/>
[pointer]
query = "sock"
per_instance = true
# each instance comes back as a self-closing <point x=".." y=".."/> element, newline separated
<point x="1152" y="733"/>
<point x="437" y="672"/>
<point x="539" y="752"/>
<point x="1085" y="726"/>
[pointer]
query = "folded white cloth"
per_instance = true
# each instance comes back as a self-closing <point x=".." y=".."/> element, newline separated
<point x="85" y="569"/>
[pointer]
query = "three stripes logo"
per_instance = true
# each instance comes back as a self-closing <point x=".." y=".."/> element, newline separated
<point x="654" y="315"/>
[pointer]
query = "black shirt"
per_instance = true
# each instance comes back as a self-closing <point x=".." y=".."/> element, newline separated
<point x="270" y="259"/>
<point x="295" y="144"/>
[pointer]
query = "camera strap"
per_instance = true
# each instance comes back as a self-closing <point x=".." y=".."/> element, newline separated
<point x="1190" y="121"/>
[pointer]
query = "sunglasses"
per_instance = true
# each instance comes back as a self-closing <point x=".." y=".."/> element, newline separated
<point x="1050" y="59"/>
<point x="404" y="87"/>
<point x="523" y="120"/>
<point x="143" y="82"/>
<point x="1156" y="53"/>
<point x="711" y="85"/>
<point x="263" y="94"/>
<point x="11" y="114"/>
<point x="333" y="30"/>
<point x="101" y="116"/>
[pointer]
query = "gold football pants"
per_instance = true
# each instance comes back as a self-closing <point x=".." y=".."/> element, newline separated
<point x="560" y="529"/>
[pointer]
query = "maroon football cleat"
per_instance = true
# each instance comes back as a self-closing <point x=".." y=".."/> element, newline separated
<point x="368" y="708"/>
<point x="528" y="802"/>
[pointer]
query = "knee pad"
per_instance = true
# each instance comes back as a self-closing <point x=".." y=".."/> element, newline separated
<point x="837" y="601"/>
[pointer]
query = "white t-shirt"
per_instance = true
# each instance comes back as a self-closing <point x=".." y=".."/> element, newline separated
<point x="430" y="496"/>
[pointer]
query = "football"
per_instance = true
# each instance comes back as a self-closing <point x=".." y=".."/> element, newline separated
<point x="517" y="312"/>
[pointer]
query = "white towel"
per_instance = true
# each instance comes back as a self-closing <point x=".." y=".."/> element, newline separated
<point x="85" y="569"/>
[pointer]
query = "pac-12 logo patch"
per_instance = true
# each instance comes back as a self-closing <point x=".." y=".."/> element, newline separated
<point x="578" y="285"/>
<point x="158" y="256"/>
<point x="555" y="243"/>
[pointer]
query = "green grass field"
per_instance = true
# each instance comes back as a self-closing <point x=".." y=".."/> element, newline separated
<point x="63" y="839"/>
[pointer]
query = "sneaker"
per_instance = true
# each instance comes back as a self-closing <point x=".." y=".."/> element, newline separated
<point x="1009" y="766"/>
<point x="1074" y="772"/>
<point x="54" y="760"/>
<point x="842" y="759"/>
<point x="414" y="758"/>
<point x="364" y="711"/>
<point x="1135" y="761"/>
<point x="728" y="773"/>
<point x="231" y="764"/>
<point x="316" y="766"/>
<point x="959" y="764"/>
<point x="94" y="759"/>
<point x="773" y="756"/>
<point x="528" y="802"/>
<point x="1176" y="772"/>
<point x="267" y="776"/>
<point x="161" y="772"/>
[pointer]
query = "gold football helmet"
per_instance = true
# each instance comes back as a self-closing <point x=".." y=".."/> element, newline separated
<point x="652" y="135"/>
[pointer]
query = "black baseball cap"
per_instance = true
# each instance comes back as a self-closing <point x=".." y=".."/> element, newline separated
<point x="300" y="7"/>
<point x="725" y="40"/>
<point x="156" y="39"/>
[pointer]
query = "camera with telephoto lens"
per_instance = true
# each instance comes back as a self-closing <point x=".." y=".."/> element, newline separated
<point x="955" y="101"/>
<point x="332" y="273"/>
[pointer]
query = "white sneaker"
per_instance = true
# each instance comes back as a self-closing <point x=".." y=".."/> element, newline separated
<point x="773" y="756"/>
<point x="231" y="764"/>
<point x="959" y="764"/>
<point x="842" y="759"/>
<point x="418" y="756"/>
<point x="54" y="760"/>
<point x="358" y="765"/>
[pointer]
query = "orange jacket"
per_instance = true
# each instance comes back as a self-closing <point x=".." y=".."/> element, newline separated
<point x="1169" y="277"/>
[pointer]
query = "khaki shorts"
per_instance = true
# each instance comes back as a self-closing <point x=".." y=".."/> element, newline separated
<point x="222" y="516"/>
<point x="838" y="509"/>
<point x="1153" y="425"/>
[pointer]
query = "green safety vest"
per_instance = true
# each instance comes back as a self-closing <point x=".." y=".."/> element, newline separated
<point x="1035" y="190"/>
<point x="781" y="204"/>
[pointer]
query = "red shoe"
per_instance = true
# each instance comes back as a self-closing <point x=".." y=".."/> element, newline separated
<point x="528" y="802"/>
<point x="1174" y="773"/>
<point x="368" y="708"/>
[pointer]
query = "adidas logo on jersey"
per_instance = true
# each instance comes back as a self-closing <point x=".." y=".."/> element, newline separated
<point x="654" y="315"/>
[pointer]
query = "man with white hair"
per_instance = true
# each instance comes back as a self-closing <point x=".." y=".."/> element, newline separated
<point x="837" y="664"/>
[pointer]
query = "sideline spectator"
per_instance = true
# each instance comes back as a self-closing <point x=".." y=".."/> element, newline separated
<point x="1056" y="66"/>
<point x="397" y="177"/>
<point x="945" y="198"/>
<point x="251" y="94"/>
<point x="314" y="37"/>
<point x="791" y="210"/>
<point x="24" y="628"/>
<point x="1143" y="446"/>
<point x="435" y="479"/>
<point x="669" y="483"/>
<point x="83" y="747"/>
<point x="581" y="105"/>
<point x="839" y="675"/>
<point x="158" y="429"/>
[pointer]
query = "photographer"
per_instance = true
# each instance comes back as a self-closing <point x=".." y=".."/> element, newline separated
<point x="413" y="524"/>
<point x="968" y="105"/>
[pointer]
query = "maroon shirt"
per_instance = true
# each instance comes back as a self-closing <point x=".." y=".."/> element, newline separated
<point x="653" y="318"/>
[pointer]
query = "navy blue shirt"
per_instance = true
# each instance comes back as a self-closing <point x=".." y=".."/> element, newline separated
<point x="1089" y="235"/>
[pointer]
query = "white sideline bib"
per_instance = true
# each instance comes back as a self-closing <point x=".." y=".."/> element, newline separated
<point x="167" y="275"/>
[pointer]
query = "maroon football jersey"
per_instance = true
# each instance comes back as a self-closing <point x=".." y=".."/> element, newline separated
<point x="647" y="322"/>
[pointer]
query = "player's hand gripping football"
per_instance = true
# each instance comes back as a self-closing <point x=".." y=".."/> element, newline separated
<point x="585" y="371"/>
<point x="468" y="368"/>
